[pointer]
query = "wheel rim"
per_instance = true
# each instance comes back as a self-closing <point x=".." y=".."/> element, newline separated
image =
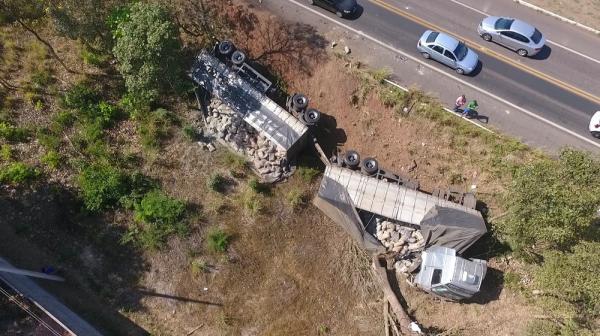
<point x="460" y="71"/>
<point x="522" y="52"/>
<point x="339" y="14"/>
<point x="487" y="37"/>
<point x="426" y="55"/>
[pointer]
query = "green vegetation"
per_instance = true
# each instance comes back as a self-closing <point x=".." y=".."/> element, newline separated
<point x="258" y="187"/>
<point x="552" y="204"/>
<point x="296" y="198"/>
<point x="160" y="216"/>
<point x="190" y="132"/>
<point x="154" y="127"/>
<point x="51" y="159"/>
<point x="308" y="174"/>
<point x="216" y="182"/>
<point x="6" y="152"/>
<point x="217" y="240"/>
<point x="17" y="173"/>
<point x="147" y="48"/>
<point x="101" y="186"/>
<point x="236" y="163"/>
<point x="12" y="133"/>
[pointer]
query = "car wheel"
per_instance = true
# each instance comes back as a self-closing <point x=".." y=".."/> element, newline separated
<point x="311" y="2"/>
<point x="486" y="37"/>
<point x="522" y="52"/>
<point x="339" y="14"/>
<point x="596" y="134"/>
<point x="351" y="159"/>
<point x="370" y="166"/>
<point x="426" y="55"/>
<point x="460" y="71"/>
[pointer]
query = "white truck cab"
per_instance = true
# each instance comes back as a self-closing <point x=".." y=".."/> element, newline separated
<point x="595" y="125"/>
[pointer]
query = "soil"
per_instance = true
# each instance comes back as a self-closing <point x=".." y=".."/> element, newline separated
<point x="586" y="12"/>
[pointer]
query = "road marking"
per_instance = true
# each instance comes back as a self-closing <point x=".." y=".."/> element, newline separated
<point x="549" y="41"/>
<point x="445" y="108"/>
<point x="443" y="73"/>
<point x="500" y="57"/>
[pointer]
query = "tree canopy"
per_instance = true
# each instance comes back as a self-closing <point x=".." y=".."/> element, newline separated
<point x="148" y="52"/>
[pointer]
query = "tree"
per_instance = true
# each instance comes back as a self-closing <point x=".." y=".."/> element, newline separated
<point x="26" y="13"/>
<point x="84" y="20"/>
<point x="148" y="52"/>
<point x="552" y="204"/>
<point x="572" y="279"/>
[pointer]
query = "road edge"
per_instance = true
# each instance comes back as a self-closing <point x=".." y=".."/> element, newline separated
<point x="554" y="15"/>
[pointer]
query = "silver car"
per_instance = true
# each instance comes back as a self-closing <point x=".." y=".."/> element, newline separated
<point x="512" y="33"/>
<point x="448" y="50"/>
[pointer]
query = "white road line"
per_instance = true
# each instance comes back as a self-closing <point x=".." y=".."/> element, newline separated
<point x="549" y="41"/>
<point x="431" y="67"/>
<point x="445" y="109"/>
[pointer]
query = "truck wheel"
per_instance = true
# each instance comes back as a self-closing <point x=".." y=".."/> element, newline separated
<point x="299" y="102"/>
<point x="486" y="37"/>
<point x="226" y="47"/>
<point x="351" y="159"/>
<point x="238" y="57"/>
<point x="312" y="116"/>
<point x="370" y="166"/>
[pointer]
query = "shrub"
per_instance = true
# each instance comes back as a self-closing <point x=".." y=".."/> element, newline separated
<point x="308" y="174"/>
<point x="6" y="152"/>
<point x="258" y="187"/>
<point x="552" y="204"/>
<point x="93" y="58"/>
<point x="104" y="114"/>
<point x="154" y="127"/>
<point x="216" y="182"/>
<point x="51" y="159"/>
<point x="12" y="133"/>
<point x="573" y="279"/>
<point x="295" y="198"/>
<point x="80" y="97"/>
<point x="158" y="208"/>
<point x="101" y="186"/>
<point x="17" y="173"/>
<point x="48" y="139"/>
<point x="62" y="120"/>
<point x="235" y="162"/>
<point x="217" y="240"/>
<point x="161" y="216"/>
<point x="190" y="132"/>
<point x="251" y="203"/>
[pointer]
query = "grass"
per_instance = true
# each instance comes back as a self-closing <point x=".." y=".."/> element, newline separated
<point x="6" y="152"/>
<point x="51" y="159"/>
<point x="18" y="173"/>
<point x="258" y="187"/>
<point x="190" y="132"/>
<point x="308" y="174"/>
<point x="237" y="163"/>
<point x="217" y="240"/>
<point x="216" y="182"/>
<point x="295" y="198"/>
<point x="251" y="202"/>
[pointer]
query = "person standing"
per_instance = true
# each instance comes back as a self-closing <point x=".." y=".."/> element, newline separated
<point x="460" y="101"/>
<point x="472" y="106"/>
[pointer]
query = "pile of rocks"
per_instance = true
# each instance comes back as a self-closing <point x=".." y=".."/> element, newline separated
<point x="399" y="239"/>
<point x="268" y="159"/>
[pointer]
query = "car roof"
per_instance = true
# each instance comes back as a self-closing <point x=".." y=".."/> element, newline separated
<point x="522" y="28"/>
<point x="446" y="41"/>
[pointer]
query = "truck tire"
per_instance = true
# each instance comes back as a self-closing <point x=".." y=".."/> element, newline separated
<point x="370" y="166"/>
<point x="351" y="159"/>
<point x="238" y="57"/>
<point x="299" y="102"/>
<point x="226" y="48"/>
<point x="312" y="116"/>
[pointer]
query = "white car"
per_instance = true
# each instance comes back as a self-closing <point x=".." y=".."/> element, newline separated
<point x="595" y="125"/>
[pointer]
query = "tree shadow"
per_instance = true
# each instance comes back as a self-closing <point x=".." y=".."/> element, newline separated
<point x="43" y="225"/>
<point x="543" y="54"/>
<point x="141" y="292"/>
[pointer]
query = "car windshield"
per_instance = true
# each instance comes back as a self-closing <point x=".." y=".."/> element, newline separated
<point x="461" y="51"/>
<point x="503" y="24"/>
<point x="536" y="37"/>
<point x="432" y="37"/>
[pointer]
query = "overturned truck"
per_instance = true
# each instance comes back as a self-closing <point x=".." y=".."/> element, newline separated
<point x="415" y="231"/>
<point x="239" y="113"/>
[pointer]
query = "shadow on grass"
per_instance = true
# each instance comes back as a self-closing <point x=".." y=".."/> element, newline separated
<point x="43" y="225"/>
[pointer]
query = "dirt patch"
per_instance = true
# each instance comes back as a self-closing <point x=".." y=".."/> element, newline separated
<point x="586" y="12"/>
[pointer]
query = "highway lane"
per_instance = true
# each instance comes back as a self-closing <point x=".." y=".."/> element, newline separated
<point x="561" y="64"/>
<point x="550" y="105"/>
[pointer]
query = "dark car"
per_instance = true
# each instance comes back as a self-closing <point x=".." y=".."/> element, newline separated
<point x="341" y="8"/>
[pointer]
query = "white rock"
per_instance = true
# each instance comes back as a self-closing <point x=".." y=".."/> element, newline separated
<point x="346" y="50"/>
<point x="210" y="147"/>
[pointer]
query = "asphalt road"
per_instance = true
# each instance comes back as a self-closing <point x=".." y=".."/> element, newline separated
<point x="560" y="89"/>
<point x="503" y="79"/>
